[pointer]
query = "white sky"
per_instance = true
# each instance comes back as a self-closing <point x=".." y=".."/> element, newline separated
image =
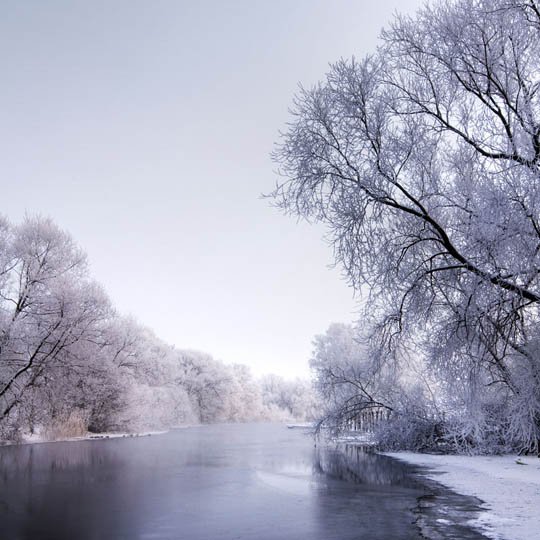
<point x="144" y="129"/>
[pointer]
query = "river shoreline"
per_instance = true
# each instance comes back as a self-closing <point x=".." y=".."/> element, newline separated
<point x="505" y="489"/>
<point x="255" y="481"/>
<point x="508" y="488"/>
<point x="89" y="437"/>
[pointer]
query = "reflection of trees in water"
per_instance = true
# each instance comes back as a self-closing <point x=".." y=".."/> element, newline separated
<point x="365" y="494"/>
<point x="382" y="493"/>
<point x="361" y="465"/>
<point x="48" y="491"/>
<point x="27" y="460"/>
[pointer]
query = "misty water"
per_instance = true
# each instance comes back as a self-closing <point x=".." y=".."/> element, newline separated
<point x="223" y="482"/>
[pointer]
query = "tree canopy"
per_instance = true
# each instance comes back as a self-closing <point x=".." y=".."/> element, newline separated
<point x="423" y="160"/>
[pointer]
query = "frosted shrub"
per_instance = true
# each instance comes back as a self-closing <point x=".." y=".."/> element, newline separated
<point x="414" y="433"/>
<point x="75" y="424"/>
<point x="485" y="430"/>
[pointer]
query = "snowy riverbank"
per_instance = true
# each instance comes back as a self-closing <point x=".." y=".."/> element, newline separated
<point x="37" y="439"/>
<point x="508" y="485"/>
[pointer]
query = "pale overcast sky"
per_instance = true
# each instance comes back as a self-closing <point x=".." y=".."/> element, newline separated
<point x="144" y="128"/>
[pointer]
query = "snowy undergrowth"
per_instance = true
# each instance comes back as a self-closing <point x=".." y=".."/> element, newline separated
<point x="508" y="485"/>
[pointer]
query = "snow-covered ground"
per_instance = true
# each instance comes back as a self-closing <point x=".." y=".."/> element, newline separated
<point x="301" y="425"/>
<point x="40" y="438"/>
<point x="36" y="438"/>
<point x="357" y="438"/>
<point x="508" y="485"/>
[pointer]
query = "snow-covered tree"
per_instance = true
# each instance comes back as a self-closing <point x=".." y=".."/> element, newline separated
<point x="349" y="380"/>
<point x="423" y="159"/>
<point x="245" y="395"/>
<point x="286" y="400"/>
<point x="49" y="307"/>
<point x="70" y="364"/>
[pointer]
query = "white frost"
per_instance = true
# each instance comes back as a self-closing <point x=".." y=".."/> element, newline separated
<point x="509" y="486"/>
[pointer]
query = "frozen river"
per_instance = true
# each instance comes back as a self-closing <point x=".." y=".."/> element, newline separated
<point x="223" y="482"/>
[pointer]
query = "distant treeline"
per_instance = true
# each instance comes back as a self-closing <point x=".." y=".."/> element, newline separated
<point x="69" y="363"/>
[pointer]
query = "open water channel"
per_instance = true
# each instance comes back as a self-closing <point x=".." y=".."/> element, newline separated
<point x="222" y="482"/>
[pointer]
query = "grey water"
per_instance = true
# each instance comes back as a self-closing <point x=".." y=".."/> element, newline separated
<point x="223" y="482"/>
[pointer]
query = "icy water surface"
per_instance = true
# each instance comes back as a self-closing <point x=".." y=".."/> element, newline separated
<point x="223" y="482"/>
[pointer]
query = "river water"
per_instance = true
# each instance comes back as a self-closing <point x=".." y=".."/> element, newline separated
<point x="223" y="482"/>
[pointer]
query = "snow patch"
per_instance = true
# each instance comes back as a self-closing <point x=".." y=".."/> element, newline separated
<point x="509" y="486"/>
<point x="37" y="438"/>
